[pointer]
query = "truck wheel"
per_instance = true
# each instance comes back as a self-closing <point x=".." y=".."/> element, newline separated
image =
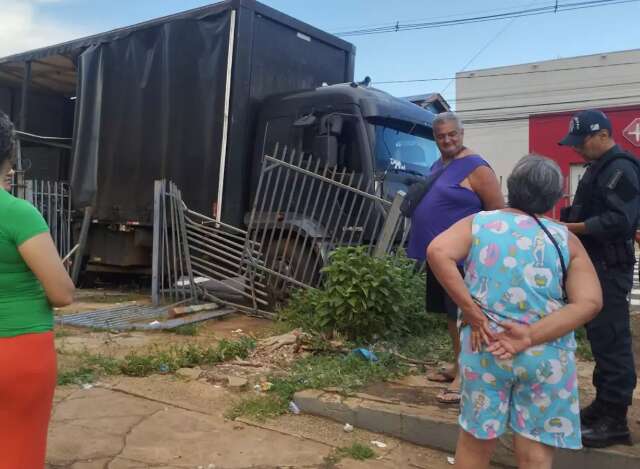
<point x="295" y="259"/>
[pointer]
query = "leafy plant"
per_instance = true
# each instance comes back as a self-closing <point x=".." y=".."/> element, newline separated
<point x="363" y="297"/>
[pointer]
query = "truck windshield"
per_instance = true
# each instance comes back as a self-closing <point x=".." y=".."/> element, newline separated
<point x="399" y="150"/>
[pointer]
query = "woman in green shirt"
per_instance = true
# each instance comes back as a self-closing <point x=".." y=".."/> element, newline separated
<point x="32" y="280"/>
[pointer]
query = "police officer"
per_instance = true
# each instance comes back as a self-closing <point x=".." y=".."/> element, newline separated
<point x="604" y="215"/>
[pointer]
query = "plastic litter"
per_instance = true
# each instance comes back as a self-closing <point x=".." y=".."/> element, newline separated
<point x="348" y="427"/>
<point x="265" y="386"/>
<point x="451" y="460"/>
<point x="154" y="323"/>
<point x="366" y="354"/>
<point x="87" y="386"/>
<point x="378" y="444"/>
<point x="293" y="408"/>
<point x="163" y="368"/>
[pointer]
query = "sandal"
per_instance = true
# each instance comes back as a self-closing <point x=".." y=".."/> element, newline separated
<point x="440" y="376"/>
<point x="449" y="396"/>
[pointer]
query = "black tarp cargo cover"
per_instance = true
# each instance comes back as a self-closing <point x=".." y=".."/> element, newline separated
<point x="150" y="101"/>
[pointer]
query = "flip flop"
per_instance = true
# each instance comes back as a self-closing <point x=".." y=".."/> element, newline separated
<point x="440" y="376"/>
<point x="449" y="396"/>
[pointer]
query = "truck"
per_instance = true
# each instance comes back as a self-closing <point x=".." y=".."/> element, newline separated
<point x="198" y="98"/>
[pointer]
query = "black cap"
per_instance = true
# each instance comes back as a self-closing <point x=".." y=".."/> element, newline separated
<point x="585" y="123"/>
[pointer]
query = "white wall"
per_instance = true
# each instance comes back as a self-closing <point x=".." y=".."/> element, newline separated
<point x="496" y="103"/>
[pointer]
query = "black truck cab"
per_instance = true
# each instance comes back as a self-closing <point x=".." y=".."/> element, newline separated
<point x="361" y="129"/>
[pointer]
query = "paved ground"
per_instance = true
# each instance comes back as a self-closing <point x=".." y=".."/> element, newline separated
<point x="170" y="423"/>
<point x="164" y="422"/>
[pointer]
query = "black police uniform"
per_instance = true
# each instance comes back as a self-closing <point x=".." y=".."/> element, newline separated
<point x="608" y="202"/>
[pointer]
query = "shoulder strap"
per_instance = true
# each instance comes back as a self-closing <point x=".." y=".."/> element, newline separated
<point x="562" y="264"/>
<point x="417" y="191"/>
<point x="622" y="155"/>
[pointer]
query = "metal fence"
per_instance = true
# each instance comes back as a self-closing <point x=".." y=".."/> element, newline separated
<point x="300" y="213"/>
<point x="195" y="257"/>
<point x="53" y="201"/>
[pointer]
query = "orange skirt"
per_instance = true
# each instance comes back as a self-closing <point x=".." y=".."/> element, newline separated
<point x="27" y="383"/>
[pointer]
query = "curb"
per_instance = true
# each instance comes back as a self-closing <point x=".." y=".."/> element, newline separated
<point x="430" y="426"/>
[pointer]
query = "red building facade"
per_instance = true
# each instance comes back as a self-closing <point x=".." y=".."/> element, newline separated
<point x="546" y="130"/>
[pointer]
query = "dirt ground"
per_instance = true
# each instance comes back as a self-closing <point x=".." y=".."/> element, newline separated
<point x="167" y="421"/>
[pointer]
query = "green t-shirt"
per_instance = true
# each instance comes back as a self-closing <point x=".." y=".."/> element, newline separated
<point x="24" y="307"/>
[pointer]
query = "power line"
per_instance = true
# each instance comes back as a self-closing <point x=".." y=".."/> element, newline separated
<point x="482" y="49"/>
<point x="430" y="18"/>
<point x="397" y="27"/>
<point x="565" y="69"/>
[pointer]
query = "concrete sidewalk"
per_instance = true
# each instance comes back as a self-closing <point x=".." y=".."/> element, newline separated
<point x="164" y="422"/>
<point x="407" y="409"/>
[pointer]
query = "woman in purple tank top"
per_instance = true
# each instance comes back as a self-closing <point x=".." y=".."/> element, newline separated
<point x="466" y="186"/>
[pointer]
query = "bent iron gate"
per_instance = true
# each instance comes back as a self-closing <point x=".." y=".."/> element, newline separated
<point x="300" y="213"/>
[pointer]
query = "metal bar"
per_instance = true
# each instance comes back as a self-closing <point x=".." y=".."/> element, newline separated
<point x="214" y="236"/>
<point x="357" y="219"/>
<point x="280" y="207"/>
<point x="389" y="227"/>
<point x="350" y="213"/>
<point x="155" y="250"/>
<point x="321" y="216"/>
<point x="315" y="202"/>
<point x="221" y="254"/>
<point x="276" y="189"/>
<point x="301" y="194"/>
<point x="341" y="210"/>
<point x="330" y="181"/>
<point x="260" y="198"/>
<point x="167" y="285"/>
<point x="84" y="234"/>
<point x="175" y="249"/>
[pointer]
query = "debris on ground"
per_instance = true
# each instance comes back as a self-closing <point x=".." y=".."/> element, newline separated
<point x="378" y="444"/>
<point x="293" y="408"/>
<point x="191" y="374"/>
<point x="348" y="427"/>
<point x="237" y="382"/>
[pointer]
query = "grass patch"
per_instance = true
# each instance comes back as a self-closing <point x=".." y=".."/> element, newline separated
<point x="186" y="329"/>
<point x="77" y="376"/>
<point x="356" y="451"/>
<point x="259" y="408"/>
<point x="158" y="360"/>
<point x="347" y="373"/>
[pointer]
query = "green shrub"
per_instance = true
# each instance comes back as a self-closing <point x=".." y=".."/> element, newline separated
<point x="362" y="297"/>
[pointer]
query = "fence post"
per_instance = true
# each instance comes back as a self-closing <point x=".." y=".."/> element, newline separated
<point x="82" y="242"/>
<point x="389" y="229"/>
<point x="158" y="193"/>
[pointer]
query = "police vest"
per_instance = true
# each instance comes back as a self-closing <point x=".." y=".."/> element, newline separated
<point x="589" y="201"/>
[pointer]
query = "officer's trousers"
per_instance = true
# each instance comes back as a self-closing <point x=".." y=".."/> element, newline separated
<point x="609" y="333"/>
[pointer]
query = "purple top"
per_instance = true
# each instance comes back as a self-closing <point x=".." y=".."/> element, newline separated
<point x="446" y="203"/>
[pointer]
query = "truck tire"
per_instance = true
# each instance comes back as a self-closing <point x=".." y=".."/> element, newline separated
<point x="294" y="258"/>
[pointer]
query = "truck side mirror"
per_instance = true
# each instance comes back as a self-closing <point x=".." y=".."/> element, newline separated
<point x="305" y="121"/>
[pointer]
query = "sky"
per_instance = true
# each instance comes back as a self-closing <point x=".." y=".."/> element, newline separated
<point x="403" y="55"/>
